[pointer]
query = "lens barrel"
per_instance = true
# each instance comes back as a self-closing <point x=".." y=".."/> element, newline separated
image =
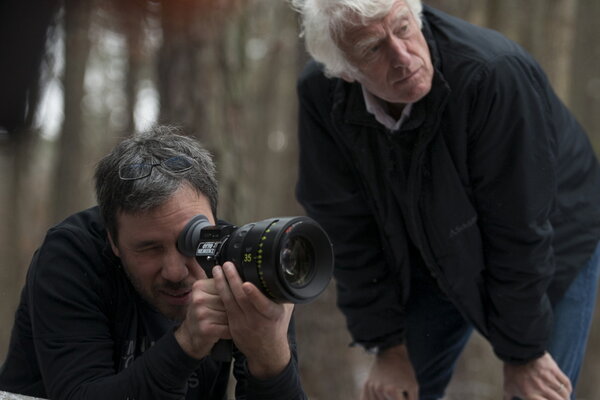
<point x="290" y="259"/>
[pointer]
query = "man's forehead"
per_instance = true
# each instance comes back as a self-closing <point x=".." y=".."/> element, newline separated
<point x="185" y="202"/>
<point x="358" y="25"/>
<point x="400" y="11"/>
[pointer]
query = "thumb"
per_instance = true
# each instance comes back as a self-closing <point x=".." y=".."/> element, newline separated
<point x="259" y="301"/>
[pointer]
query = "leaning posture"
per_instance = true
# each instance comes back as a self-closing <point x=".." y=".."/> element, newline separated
<point x="112" y="309"/>
<point x="459" y="194"/>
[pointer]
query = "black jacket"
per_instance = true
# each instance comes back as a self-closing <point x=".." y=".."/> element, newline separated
<point x="82" y="332"/>
<point x="499" y="191"/>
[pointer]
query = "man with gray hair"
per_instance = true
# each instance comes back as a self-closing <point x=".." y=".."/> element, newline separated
<point x="112" y="309"/>
<point x="458" y="192"/>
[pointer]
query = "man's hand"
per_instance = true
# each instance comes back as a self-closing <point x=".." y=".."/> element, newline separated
<point x="257" y="325"/>
<point x="205" y="322"/>
<point x="392" y="377"/>
<point x="539" y="379"/>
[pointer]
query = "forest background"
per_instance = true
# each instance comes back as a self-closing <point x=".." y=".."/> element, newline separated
<point x="76" y="76"/>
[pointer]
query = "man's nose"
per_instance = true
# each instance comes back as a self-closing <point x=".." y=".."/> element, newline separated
<point x="398" y="53"/>
<point x="175" y="266"/>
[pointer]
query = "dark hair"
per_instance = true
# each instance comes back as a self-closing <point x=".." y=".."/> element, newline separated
<point x="116" y="195"/>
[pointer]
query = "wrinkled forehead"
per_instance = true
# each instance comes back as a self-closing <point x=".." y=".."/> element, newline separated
<point x="366" y="12"/>
<point x="353" y="23"/>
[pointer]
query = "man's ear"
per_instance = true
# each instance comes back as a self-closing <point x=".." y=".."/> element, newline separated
<point x="114" y="247"/>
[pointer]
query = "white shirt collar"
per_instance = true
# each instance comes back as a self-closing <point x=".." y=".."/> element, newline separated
<point x="380" y="111"/>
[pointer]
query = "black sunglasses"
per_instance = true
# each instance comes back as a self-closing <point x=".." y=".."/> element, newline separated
<point x="130" y="172"/>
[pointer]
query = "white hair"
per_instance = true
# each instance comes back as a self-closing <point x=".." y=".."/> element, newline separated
<point x="324" y="21"/>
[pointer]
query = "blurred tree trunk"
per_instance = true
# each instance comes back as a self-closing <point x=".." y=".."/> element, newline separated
<point x="256" y="144"/>
<point x="15" y="156"/>
<point x="226" y="128"/>
<point x="132" y="16"/>
<point x="585" y="88"/>
<point x="68" y="179"/>
<point x="8" y="241"/>
<point x="185" y="33"/>
<point x="197" y="84"/>
<point x="555" y="55"/>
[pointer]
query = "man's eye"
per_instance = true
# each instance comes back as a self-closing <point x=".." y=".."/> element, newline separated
<point x="150" y="249"/>
<point x="369" y="52"/>
<point x="403" y="31"/>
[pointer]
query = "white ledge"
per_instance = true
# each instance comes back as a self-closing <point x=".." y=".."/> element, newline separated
<point x="12" y="396"/>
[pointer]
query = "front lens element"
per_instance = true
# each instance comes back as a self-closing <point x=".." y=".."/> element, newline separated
<point x="297" y="259"/>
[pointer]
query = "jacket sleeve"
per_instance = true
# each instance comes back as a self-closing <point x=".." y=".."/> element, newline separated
<point x="512" y="164"/>
<point x="329" y="191"/>
<point x="72" y="334"/>
<point x="286" y="385"/>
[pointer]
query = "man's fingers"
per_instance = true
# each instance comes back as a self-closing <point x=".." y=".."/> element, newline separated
<point x="371" y="392"/>
<point x="411" y="395"/>
<point x="223" y="287"/>
<point x="234" y="280"/>
<point x="260" y="302"/>
<point x="208" y="295"/>
<point x="564" y="384"/>
<point x="207" y="286"/>
<point x="234" y="296"/>
<point x="397" y="394"/>
<point x="561" y="385"/>
<point x="246" y="295"/>
<point x="562" y="390"/>
<point x="231" y="273"/>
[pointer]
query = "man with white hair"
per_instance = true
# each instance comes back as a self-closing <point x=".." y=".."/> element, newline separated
<point x="458" y="191"/>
